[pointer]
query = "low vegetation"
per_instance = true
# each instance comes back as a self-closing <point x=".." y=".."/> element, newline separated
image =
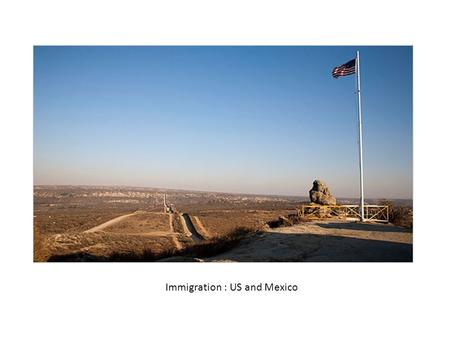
<point x="191" y="252"/>
<point x="221" y="223"/>
<point x="284" y="221"/>
<point x="63" y="214"/>
<point x="400" y="215"/>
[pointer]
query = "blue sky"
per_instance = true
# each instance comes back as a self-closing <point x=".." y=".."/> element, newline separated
<point x="236" y="119"/>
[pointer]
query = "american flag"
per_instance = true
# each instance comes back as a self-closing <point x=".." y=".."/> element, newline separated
<point x="344" y="70"/>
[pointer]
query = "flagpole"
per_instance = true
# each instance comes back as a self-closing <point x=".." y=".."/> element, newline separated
<point x="361" y="172"/>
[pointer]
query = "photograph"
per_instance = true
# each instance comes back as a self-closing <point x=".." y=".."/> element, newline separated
<point x="222" y="153"/>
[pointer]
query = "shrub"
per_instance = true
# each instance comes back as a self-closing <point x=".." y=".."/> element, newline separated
<point x="399" y="215"/>
<point x="202" y="249"/>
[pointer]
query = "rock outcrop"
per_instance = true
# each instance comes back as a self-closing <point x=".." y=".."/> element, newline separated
<point x="320" y="194"/>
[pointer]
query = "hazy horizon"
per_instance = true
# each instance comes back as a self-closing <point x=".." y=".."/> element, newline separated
<point x="92" y="186"/>
<point x="249" y="120"/>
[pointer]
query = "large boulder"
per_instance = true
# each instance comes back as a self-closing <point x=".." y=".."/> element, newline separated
<point x="320" y="194"/>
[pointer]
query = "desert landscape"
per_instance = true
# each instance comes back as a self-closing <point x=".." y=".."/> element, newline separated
<point x="114" y="224"/>
<point x="127" y="171"/>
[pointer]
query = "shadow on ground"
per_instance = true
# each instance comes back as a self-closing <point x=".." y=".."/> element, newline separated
<point x="364" y="227"/>
<point x="288" y="247"/>
<point x="276" y="247"/>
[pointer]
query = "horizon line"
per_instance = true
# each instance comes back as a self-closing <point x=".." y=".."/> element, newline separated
<point x="207" y="191"/>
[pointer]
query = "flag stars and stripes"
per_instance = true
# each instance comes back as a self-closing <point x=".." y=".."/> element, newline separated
<point x="345" y="69"/>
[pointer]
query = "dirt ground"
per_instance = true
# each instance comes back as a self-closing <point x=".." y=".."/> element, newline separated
<point x="145" y="222"/>
<point x="320" y="241"/>
<point x="136" y="233"/>
<point x="100" y="244"/>
<point x="325" y="242"/>
<point x="220" y="223"/>
<point x="106" y="222"/>
<point x="144" y="230"/>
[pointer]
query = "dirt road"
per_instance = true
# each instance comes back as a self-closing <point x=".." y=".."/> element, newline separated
<point x="109" y="223"/>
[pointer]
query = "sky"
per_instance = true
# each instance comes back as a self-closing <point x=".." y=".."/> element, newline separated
<point x="262" y="120"/>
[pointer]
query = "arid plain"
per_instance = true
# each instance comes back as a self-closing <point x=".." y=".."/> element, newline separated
<point x="85" y="223"/>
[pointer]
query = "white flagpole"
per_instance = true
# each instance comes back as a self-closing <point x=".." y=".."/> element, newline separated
<point x="361" y="172"/>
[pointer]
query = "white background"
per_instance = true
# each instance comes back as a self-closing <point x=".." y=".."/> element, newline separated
<point x="128" y="300"/>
